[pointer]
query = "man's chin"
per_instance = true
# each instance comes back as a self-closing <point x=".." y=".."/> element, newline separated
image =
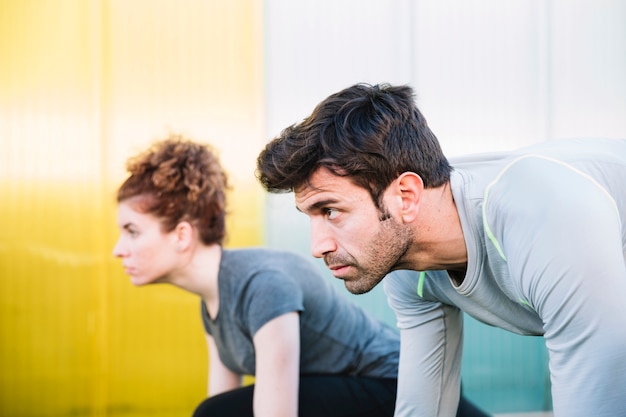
<point x="357" y="289"/>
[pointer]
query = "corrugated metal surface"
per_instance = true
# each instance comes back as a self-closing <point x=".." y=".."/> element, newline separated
<point x="83" y="86"/>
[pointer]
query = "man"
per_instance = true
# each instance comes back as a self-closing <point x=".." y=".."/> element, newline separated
<point x="532" y="241"/>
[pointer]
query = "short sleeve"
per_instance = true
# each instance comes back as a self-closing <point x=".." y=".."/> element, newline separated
<point x="269" y="294"/>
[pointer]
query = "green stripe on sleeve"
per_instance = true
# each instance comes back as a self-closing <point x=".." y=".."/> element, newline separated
<point x="490" y="235"/>
<point x="420" y="284"/>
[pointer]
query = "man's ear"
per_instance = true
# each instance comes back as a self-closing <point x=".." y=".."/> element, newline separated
<point x="411" y="189"/>
<point x="183" y="233"/>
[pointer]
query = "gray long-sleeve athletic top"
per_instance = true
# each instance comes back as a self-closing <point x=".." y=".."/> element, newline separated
<point x="545" y="230"/>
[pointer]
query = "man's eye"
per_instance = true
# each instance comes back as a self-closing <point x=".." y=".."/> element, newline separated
<point x="331" y="213"/>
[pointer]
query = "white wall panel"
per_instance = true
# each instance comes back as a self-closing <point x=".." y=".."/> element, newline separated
<point x="480" y="70"/>
<point x="314" y="48"/>
<point x="588" y="68"/>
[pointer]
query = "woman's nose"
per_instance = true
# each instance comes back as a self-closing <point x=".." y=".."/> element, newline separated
<point x="118" y="251"/>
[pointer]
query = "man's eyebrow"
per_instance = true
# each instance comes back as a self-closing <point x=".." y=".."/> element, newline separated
<point x="318" y="205"/>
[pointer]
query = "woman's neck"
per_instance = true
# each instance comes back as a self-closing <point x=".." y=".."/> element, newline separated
<point x="199" y="275"/>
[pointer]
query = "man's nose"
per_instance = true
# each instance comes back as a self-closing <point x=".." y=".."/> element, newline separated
<point x="322" y="241"/>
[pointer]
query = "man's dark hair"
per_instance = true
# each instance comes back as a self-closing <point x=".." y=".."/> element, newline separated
<point x="371" y="134"/>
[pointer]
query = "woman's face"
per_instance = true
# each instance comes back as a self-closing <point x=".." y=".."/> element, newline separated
<point x="148" y="254"/>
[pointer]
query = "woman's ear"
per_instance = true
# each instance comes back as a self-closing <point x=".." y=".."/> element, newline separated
<point x="183" y="233"/>
<point x="411" y="189"/>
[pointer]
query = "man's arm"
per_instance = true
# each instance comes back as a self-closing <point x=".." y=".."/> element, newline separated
<point x="430" y="350"/>
<point x="563" y="246"/>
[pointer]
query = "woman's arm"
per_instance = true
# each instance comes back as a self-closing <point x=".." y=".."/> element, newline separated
<point x="221" y="379"/>
<point x="277" y="346"/>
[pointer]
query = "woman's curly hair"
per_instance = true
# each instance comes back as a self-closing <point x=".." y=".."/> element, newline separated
<point x="179" y="180"/>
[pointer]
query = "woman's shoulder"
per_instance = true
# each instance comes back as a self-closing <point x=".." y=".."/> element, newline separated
<point x="267" y="258"/>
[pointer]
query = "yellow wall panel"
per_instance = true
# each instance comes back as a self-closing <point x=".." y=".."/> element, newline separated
<point x="83" y="86"/>
<point x="48" y="277"/>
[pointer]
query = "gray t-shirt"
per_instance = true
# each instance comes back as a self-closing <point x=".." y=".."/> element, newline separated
<point x="337" y="337"/>
<point x="545" y="230"/>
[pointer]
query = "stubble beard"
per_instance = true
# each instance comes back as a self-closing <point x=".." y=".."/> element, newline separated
<point x="381" y="255"/>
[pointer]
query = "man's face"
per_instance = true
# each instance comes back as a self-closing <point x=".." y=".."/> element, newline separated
<point x="359" y="244"/>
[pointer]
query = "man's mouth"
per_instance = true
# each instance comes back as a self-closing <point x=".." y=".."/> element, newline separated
<point x="338" y="270"/>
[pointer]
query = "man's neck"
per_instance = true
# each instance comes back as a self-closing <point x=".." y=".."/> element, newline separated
<point x="439" y="235"/>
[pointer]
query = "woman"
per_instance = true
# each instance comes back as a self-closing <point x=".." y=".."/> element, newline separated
<point x="266" y="313"/>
